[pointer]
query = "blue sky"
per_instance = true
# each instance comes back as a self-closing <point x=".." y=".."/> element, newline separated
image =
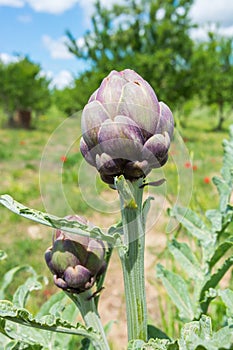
<point x="37" y="28"/>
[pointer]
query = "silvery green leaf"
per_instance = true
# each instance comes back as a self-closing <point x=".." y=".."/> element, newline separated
<point x="220" y="251"/>
<point x="22" y="292"/>
<point x="126" y="193"/>
<point x="212" y="282"/>
<point x="187" y="260"/>
<point x="21" y="316"/>
<point x="19" y="345"/>
<point x="199" y="335"/>
<point x="224" y="192"/>
<point x="145" y="209"/>
<point x="193" y="223"/>
<point x="54" y="221"/>
<point x="9" y="276"/>
<point x="177" y="289"/>
<point x="136" y="344"/>
<point x="227" y="298"/>
<point x="215" y="217"/>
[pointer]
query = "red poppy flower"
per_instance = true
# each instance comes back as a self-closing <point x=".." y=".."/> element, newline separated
<point x="22" y="143"/>
<point x="207" y="180"/>
<point x="63" y="159"/>
<point x="188" y="165"/>
<point x="194" y="167"/>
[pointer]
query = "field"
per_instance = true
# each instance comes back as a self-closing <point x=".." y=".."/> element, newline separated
<point x="43" y="169"/>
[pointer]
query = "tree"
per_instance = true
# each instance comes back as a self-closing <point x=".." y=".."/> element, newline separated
<point x="213" y="71"/>
<point x="149" y="36"/>
<point x="23" y="89"/>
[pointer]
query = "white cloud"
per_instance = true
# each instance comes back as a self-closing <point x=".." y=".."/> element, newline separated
<point x="57" y="48"/>
<point x="12" y="3"/>
<point x="227" y="31"/>
<point x="6" y="58"/>
<point x="52" y="6"/>
<point x="62" y="79"/>
<point x="220" y="11"/>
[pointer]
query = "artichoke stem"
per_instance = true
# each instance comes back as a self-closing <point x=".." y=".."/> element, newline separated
<point x="86" y="305"/>
<point x="132" y="261"/>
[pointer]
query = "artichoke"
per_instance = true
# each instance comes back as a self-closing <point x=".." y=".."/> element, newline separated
<point x="75" y="261"/>
<point x="125" y="129"/>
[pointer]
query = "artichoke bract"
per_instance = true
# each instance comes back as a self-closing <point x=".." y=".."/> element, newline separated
<point x="75" y="261"/>
<point x="125" y="129"/>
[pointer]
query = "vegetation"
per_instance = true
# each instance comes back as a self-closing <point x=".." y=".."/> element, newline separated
<point x="44" y="169"/>
<point x="23" y="90"/>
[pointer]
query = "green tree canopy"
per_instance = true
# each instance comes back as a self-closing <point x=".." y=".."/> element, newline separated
<point x="23" y="87"/>
<point x="149" y="36"/>
<point x="213" y="72"/>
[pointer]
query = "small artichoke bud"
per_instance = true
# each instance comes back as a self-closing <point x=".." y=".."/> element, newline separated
<point x="125" y="129"/>
<point x="75" y="261"/>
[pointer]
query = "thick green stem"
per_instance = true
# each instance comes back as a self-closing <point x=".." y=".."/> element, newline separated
<point x="132" y="260"/>
<point x="86" y="304"/>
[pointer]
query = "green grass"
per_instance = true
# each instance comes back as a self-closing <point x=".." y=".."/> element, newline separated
<point x="24" y="177"/>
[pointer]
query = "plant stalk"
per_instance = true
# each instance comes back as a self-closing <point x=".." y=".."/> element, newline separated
<point x="132" y="260"/>
<point x="86" y="305"/>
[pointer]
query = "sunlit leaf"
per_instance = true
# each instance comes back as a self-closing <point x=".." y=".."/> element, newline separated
<point x="212" y="282"/>
<point x="220" y="251"/>
<point x="178" y="291"/>
<point x="21" y="316"/>
<point x="54" y="221"/>
<point x="10" y="275"/>
<point x="187" y="260"/>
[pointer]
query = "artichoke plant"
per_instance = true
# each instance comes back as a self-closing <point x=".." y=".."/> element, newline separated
<point x="75" y="261"/>
<point x="125" y="129"/>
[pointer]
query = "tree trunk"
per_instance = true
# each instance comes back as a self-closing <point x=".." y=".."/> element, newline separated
<point x="221" y="118"/>
<point x="23" y="118"/>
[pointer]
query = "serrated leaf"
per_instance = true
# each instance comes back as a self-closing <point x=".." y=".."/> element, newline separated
<point x="178" y="291"/>
<point x="18" y="345"/>
<point x="193" y="223"/>
<point x="228" y="158"/>
<point x="227" y="298"/>
<point x="187" y="260"/>
<point x="9" y="276"/>
<point x="154" y="332"/>
<point x="153" y="344"/>
<point x="54" y="221"/>
<point x="22" y="292"/>
<point x="22" y="316"/>
<point x="145" y="209"/>
<point x="212" y="282"/>
<point x="215" y="217"/>
<point x="126" y="192"/>
<point x="2" y="327"/>
<point x="135" y="344"/>
<point x="199" y="335"/>
<point x="220" y="251"/>
<point x="227" y="216"/>
<point x="56" y="301"/>
<point x="224" y="192"/>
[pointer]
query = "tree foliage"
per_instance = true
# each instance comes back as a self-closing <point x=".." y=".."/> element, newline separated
<point x="151" y="37"/>
<point x="213" y="67"/>
<point x="23" y="87"/>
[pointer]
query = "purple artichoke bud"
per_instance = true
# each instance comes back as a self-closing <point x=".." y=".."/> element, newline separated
<point x="75" y="261"/>
<point x="126" y="130"/>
